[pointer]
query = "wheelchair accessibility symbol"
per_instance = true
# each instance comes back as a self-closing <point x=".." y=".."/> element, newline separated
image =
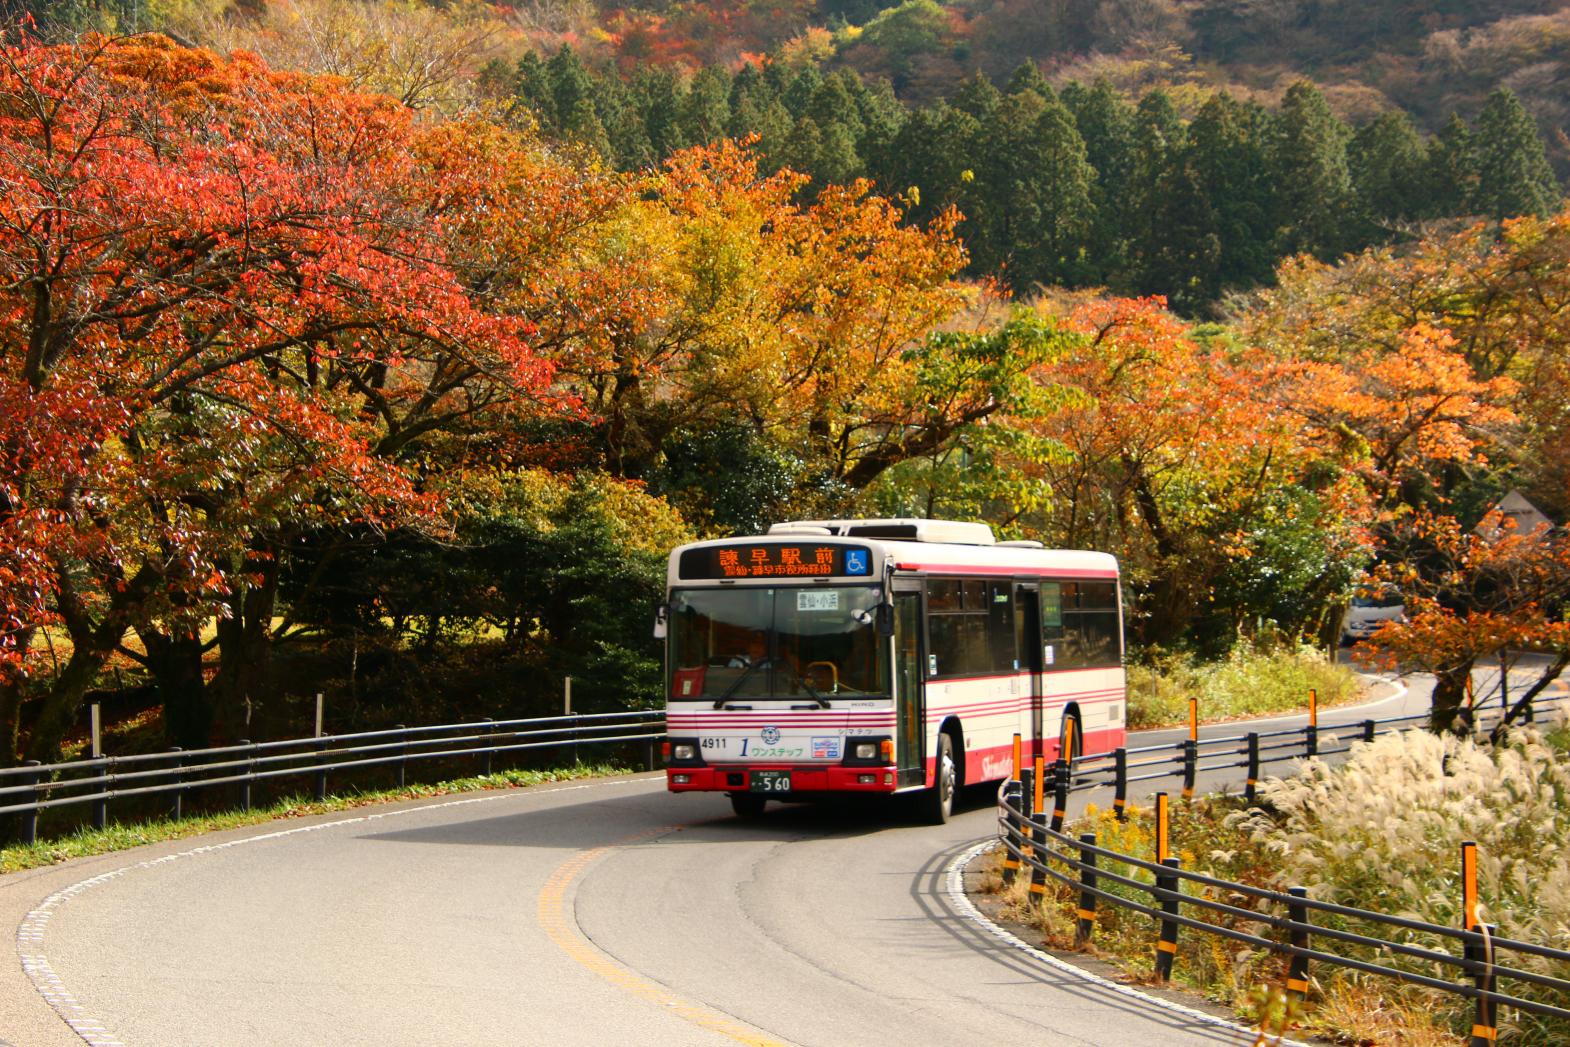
<point x="856" y="561"/>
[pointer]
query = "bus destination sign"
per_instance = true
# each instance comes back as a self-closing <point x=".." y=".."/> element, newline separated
<point x="776" y="560"/>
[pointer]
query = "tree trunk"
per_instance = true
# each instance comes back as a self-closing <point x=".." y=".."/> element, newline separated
<point x="245" y="649"/>
<point x="1449" y="702"/>
<point x="175" y="664"/>
<point x="63" y="700"/>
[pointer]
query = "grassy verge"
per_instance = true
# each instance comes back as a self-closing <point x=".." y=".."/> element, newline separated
<point x="86" y="842"/>
<point x="1338" y="830"/>
<point x="1248" y="683"/>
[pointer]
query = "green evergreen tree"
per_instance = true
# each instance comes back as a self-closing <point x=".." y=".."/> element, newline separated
<point x="705" y="110"/>
<point x="1028" y="78"/>
<point x="658" y="98"/>
<point x="1001" y="204"/>
<point x="1310" y="168"/>
<point x="1158" y="146"/>
<point x="1184" y="264"/>
<point x="1386" y="160"/>
<point x="572" y="90"/>
<point x="531" y="86"/>
<point x="1513" y="173"/>
<point x="934" y="153"/>
<point x="1229" y="149"/>
<point x="1065" y="209"/>
<point x="1105" y="122"/>
<point x="1451" y="170"/>
<point x="977" y="97"/>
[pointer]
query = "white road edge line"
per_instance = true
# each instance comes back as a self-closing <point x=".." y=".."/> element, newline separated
<point x="30" y="933"/>
<point x="955" y="885"/>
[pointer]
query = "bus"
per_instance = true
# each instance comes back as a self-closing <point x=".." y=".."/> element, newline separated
<point x="883" y="656"/>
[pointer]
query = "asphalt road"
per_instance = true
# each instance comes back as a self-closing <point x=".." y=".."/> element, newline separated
<point x="603" y="913"/>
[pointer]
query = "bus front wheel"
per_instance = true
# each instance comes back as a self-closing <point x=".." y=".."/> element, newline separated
<point x="938" y="802"/>
<point x="747" y="805"/>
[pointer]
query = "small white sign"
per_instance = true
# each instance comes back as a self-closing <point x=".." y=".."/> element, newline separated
<point x="818" y="600"/>
<point x="1046" y="654"/>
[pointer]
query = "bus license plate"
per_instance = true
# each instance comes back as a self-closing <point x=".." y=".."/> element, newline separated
<point x="769" y="781"/>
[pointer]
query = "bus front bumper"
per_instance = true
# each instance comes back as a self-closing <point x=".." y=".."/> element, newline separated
<point x="732" y="779"/>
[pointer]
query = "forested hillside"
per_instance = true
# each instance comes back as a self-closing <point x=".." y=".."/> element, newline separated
<point x="1147" y="147"/>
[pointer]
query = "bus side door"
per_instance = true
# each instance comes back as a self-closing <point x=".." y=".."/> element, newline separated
<point x="1027" y="642"/>
<point x="909" y="679"/>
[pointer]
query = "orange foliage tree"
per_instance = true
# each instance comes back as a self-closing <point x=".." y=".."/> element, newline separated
<point x="224" y="291"/>
<point x="1176" y="453"/>
<point x="1471" y="596"/>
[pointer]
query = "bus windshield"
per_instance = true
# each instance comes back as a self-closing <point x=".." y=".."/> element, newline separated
<point x="782" y="643"/>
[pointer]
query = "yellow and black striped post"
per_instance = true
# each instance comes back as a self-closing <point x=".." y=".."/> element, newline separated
<point x="1469" y="917"/>
<point x="1297" y="964"/>
<point x="1120" y="783"/>
<point x="1166" y="941"/>
<point x="1253" y="767"/>
<point x="1162" y="824"/>
<point x="1038" y="868"/>
<point x="1039" y="806"/>
<point x="1485" y="1019"/>
<point x="1014" y="795"/>
<point x="1086" y="923"/>
<point x="1190" y="767"/>
<point x="1062" y="775"/>
<point x="1311" y="735"/>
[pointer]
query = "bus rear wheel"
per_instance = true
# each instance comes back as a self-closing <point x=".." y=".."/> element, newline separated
<point x="747" y="805"/>
<point x="937" y="803"/>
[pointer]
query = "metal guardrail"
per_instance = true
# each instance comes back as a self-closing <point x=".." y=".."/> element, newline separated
<point x="33" y="787"/>
<point x="1032" y="836"/>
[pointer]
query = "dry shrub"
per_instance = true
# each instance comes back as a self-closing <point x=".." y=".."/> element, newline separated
<point x="1383" y="832"/>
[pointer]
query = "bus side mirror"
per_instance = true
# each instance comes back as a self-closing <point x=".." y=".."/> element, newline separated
<point x="661" y="616"/>
<point x="885" y="619"/>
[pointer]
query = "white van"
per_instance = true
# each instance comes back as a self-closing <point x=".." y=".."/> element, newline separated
<point x="1368" y="613"/>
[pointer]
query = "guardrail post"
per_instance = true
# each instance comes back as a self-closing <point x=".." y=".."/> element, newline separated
<point x="321" y="776"/>
<point x="1120" y="783"/>
<point x="1027" y="792"/>
<point x="403" y="756"/>
<point x="1485" y="1018"/>
<point x="485" y="763"/>
<point x="1087" y="885"/>
<point x="1311" y="733"/>
<point x="1166" y="942"/>
<point x="1038" y="836"/>
<point x="30" y="816"/>
<point x="1253" y="767"/>
<point x="1011" y="802"/>
<point x="250" y="770"/>
<point x="1190" y="767"/>
<point x="1297" y="964"/>
<point x="649" y="763"/>
<point x="1061" y="773"/>
<point x="101" y="806"/>
<point x="1369" y="729"/>
<point x="179" y="792"/>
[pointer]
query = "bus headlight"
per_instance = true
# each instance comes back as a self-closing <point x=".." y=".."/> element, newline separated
<point x="684" y="751"/>
<point x="866" y="750"/>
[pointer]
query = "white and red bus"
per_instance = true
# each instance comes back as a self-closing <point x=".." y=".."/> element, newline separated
<point x="883" y="656"/>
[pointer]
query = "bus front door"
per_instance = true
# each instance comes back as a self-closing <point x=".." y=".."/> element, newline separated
<point x="1027" y="642"/>
<point x="910" y="709"/>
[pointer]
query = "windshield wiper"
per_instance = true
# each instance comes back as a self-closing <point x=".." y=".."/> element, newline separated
<point x="823" y="703"/>
<point x="719" y="703"/>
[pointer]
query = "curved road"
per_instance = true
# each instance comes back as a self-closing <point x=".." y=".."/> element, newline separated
<point x="607" y="912"/>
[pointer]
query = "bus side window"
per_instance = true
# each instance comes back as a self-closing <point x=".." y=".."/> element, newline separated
<point x="1053" y="654"/>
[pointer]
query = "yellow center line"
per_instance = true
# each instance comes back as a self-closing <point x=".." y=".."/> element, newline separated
<point x="562" y="930"/>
